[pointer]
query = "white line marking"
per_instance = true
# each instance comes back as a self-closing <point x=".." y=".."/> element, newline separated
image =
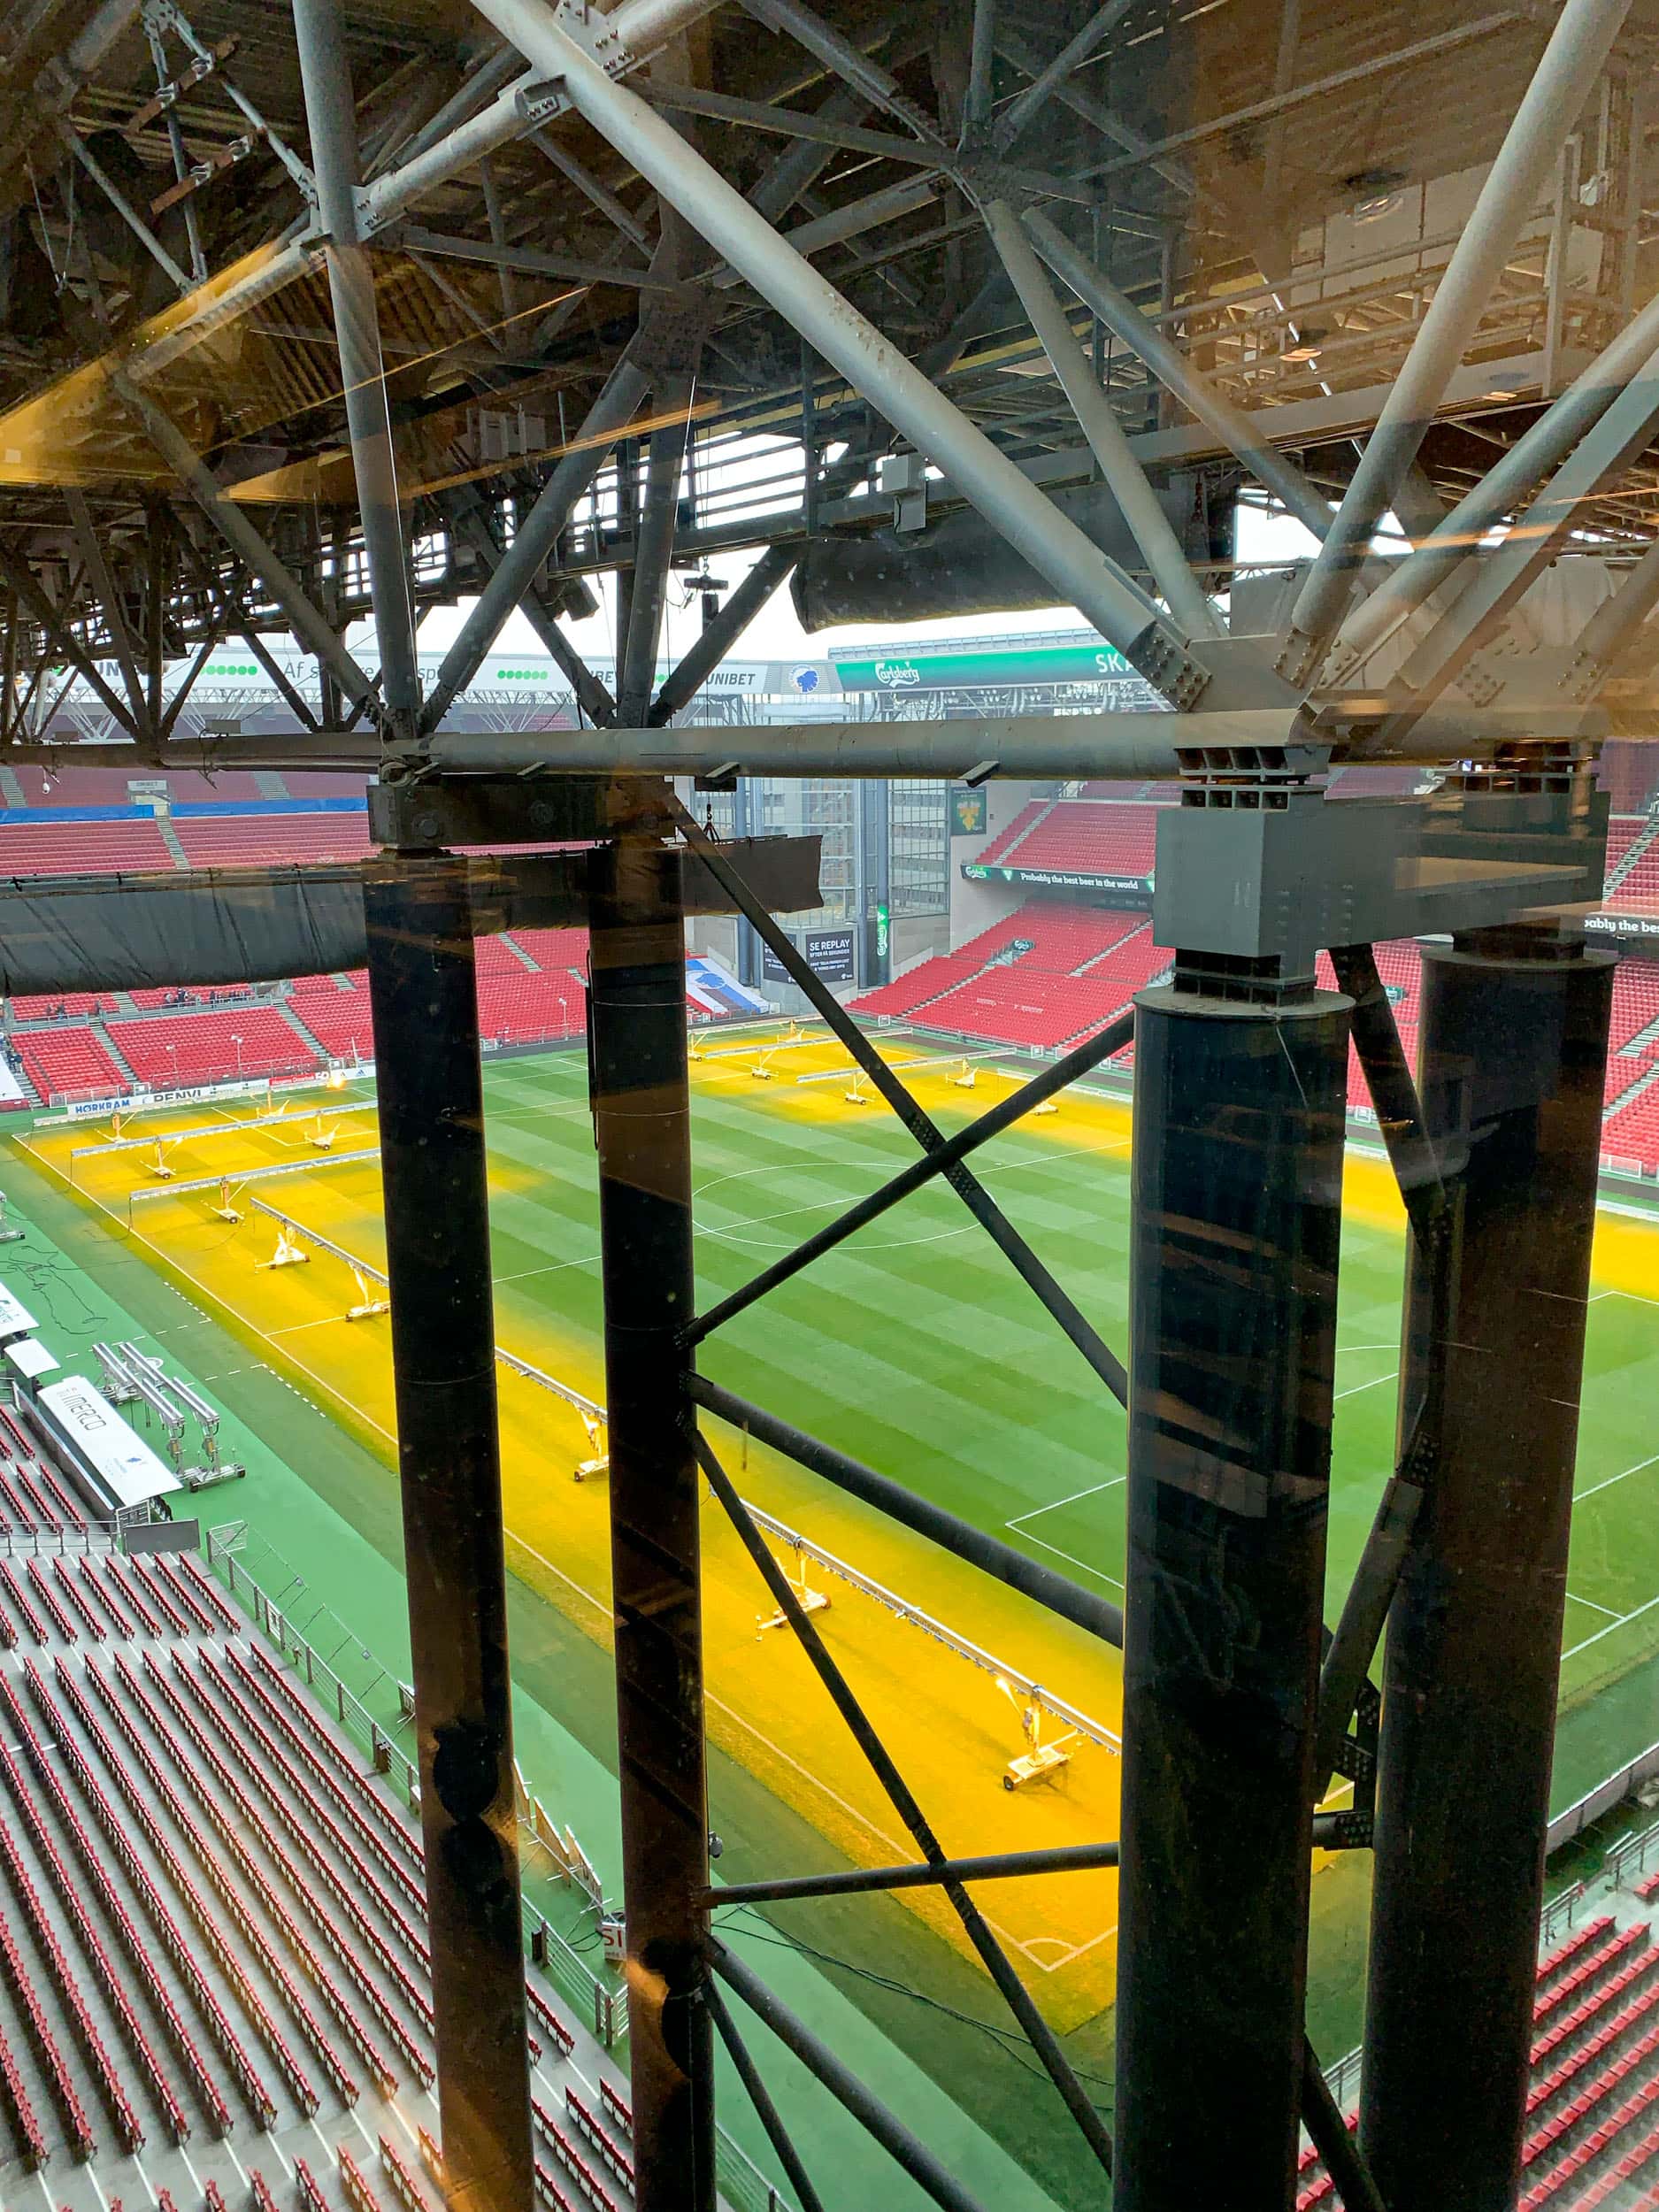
<point x="1578" y="1496"/>
<point x="1606" y="1610"/>
<point x="1622" y="1621"/>
<point x="1354" y="1389"/>
<point x="1099" y="1573"/>
<point x="1054" y="1504"/>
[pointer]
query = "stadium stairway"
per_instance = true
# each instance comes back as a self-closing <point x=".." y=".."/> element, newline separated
<point x="214" y="1958"/>
<point x="1635" y="853"/>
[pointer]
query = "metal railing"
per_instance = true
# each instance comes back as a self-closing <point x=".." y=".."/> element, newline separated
<point x="743" y="2184"/>
<point x="597" y="2002"/>
<point x="1558" y="1914"/>
<point x="58" y="1538"/>
<point x="1630" y="1854"/>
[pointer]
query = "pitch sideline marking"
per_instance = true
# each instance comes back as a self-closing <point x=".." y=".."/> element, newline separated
<point x="1579" y="1495"/>
<point x="1606" y="1610"/>
<point x="1054" y="1504"/>
<point x="1622" y="1621"/>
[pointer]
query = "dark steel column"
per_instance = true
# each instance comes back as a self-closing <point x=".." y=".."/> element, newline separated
<point x="1237" y="1193"/>
<point x="1514" y="1042"/>
<point x="642" y="1127"/>
<point x="437" y="1257"/>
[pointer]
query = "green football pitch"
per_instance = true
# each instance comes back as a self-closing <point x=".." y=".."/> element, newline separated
<point x="916" y="1347"/>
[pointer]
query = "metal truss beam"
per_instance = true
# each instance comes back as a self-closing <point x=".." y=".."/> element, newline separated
<point x="1409" y="583"/>
<point x="653" y="548"/>
<point x="1097" y="419"/>
<point x="537" y="535"/>
<point x="1578" y="45"/>
<point x="311" y="627"/>
<point x="681" y="686"/>
<point x="1030" y="1096"/>
<point x="97" y="570"/>
<point x="1239" y="432"/>
<point x="1077" y="51"/>
<point x="765" y="2111"/>
<point x="331" y="111"/>
<point x="1054" y="545"/>
<point x="56" y="626"/>
<point x="1503" y="577"/>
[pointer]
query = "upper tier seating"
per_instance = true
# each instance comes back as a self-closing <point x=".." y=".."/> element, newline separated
<point x="108" y="787"/>
<point x="270" y="840"/>
<point x="997" y="850"/>
<point x="927" y="980"/>
<point x="67" y="849"/>
<point x="1060" y="937"/>
<point x="1084" y="838"/>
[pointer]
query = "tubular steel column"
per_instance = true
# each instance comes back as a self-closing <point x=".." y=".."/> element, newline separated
<point x="642" y="1128"/>
<point x="1513" y="1054"/>
<point x="437" y="1257"/>
<point x="331" y="112"/>
<point x="1237" y="1192"/>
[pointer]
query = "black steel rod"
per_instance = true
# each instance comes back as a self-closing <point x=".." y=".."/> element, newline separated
<point x="653" y="550"/>
<point x="765" y="2111"/>
<point x="642" y="1132"/>
<point x="905" y="2149"/>
<point x="1394" y="1094"/>
<point x="1513" y="1056"/>
<point x="1038" y="2033"/>
<point x="1060" y="1307"/>
<point x="996" y="1866"/>
<point x="1364" y="1618"/>
<point x="430" y="1096"/>
<point x="1344" y="2161"/>
<point x="1099" y="1615"/>
<point x="1030" y="1096"/>
<point x="716" y="638"/>
<point x="855" y="1881"/>
<point x="1236" y="1225"/>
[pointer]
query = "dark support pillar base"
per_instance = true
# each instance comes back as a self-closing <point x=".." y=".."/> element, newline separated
<point x="1514" y="1041"/>
<point x="642" y="1127"/>
<point x="1238" y="1166"/>
<point x="437" y="1255"/>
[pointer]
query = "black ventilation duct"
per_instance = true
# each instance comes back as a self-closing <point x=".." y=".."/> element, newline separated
<point x="959" y="565"/>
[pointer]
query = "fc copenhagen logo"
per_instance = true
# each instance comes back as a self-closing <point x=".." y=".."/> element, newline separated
<point x="804" y="678"/>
